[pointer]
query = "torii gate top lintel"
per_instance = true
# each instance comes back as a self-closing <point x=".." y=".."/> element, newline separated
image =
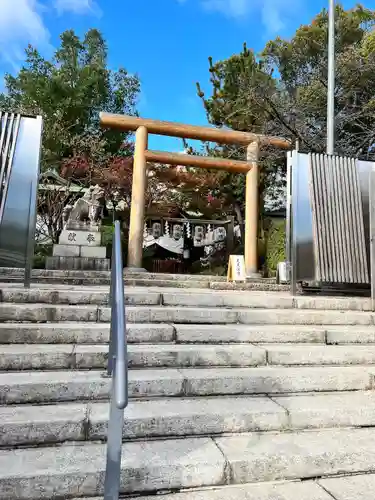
<point x="173" y="129"/>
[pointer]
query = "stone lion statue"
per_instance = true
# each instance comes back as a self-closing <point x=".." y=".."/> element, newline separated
<point x="87" y="208"/>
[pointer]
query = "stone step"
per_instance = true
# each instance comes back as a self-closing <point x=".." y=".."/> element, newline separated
<point x="77" y="277"/>
<point x="78" y="469"/>
<point x="65" y="356"/>
<point x="198" y="315"/>
<point x="340" y="409"/>
<point x="32" y="425"/>
<point x="29" y="425"/>
<point x="47" y="386"/>
<point x="357" y="487"/>
<point x="212" y="334"/>
<point x="308" y="354"/>
<point x="261" y="300"/>
<point x="59" y="274"/>
<point x="98" y="333"/>
<point x="171" y="283"/>
<point x="81" y="333"/>
<point x="76" y="296"/>
<point x="75" y="470"/>
<point x="190" y="315"/>
<point x="261" y="286"/>
<point x="306" y="454"/>
<point x="189" y="277"/>
<point x="85" y="356"/>
<point x="175" y="297"/>
<point x="253" y="285"/>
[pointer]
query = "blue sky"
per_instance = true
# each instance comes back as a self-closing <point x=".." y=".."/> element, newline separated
<point x="166" y="42"/>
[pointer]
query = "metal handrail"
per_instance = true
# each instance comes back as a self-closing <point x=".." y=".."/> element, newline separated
<point x="118" y="369"/>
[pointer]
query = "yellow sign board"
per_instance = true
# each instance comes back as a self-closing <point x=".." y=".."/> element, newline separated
<point x="236" y="268"/>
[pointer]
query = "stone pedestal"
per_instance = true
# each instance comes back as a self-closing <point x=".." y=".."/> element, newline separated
<point x="79" y="247"/>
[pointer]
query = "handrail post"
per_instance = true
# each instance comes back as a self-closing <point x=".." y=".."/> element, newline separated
<point x="120" y="337"/>
<point x="117" y="366"/>
<point x="111" y="350"/>
<point x="112" y="481"/>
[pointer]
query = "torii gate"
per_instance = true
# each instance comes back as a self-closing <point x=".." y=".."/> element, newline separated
<point x="142" y="155"/>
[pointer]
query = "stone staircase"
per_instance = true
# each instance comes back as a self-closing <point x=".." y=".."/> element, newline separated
<point x="235" y="395"/>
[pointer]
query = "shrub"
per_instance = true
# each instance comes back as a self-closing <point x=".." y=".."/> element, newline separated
<point x="274" y="244"/>
<point x="41" y="252"/>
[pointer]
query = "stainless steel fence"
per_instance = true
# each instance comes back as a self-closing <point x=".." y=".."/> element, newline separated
<point x="118" y="369"/>
<point x="328" y="221"/>
<point x="20" y="144"/>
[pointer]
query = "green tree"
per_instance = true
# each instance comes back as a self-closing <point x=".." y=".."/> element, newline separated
<point x="283" y="91"/>
<point x="69" y="91"/>
<point x="240" y="86"/>
<point x="302" y="64"/>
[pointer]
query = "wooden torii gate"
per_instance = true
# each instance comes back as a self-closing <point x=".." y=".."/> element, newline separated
<point x="142" y="155"/>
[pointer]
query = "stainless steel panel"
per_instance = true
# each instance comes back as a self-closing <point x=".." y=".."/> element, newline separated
<point x="6" y="124"/>
<point x="288" y="226"/>
<point x="364" y="169"/>
<point x="17" y="227"/>
<point x="11" y="128"/>
<point x="330" y="207"/>
<point x="371" y="204"/>
<point x="303" y="256"/>
<point x="363" y="239"/>
<point x="347" y="249"/>
<point x="338" y="227"/>
<point x="3" y="129"/>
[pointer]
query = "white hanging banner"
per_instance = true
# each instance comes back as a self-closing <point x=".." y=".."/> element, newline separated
<point x="236" y="268"/>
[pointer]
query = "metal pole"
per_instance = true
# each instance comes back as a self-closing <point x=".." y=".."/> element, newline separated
<point x="331" y="80"/>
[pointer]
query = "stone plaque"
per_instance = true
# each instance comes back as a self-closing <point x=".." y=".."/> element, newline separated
<point x="81" y="238"/>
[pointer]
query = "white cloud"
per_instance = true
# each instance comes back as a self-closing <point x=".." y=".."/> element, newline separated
<point x="232" y="8"/>
<point x="277" y="13"/>
<point x="77" y="6"/>
<point x="274" y="14"/>
<point x="21" y="23"/>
